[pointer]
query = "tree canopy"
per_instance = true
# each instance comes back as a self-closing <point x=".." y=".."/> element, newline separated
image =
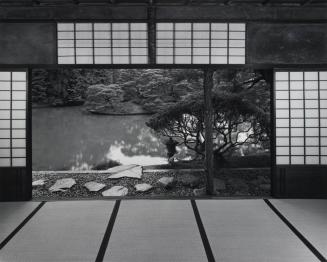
<point x="240" y="104"/>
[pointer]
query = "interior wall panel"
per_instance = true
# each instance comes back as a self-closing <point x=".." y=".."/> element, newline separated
<point x="73" y="12"/>
<point x="286" y="43"/>
<point x="238" y="12"/>
<point x="27" y="43"/>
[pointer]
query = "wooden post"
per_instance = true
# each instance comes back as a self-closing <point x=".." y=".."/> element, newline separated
<point x="152" y="34"/>
<point x="207" y="86"/>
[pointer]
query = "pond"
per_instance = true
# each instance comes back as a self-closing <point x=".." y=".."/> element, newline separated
<point x="68" y="138"/>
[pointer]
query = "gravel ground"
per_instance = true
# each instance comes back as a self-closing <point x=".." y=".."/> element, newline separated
<point x="79" y="191"/>
<point x="245" y="182"/>
<point x="238" y="182"/>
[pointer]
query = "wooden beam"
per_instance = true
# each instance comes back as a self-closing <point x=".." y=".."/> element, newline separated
<point x="265" y="2"/>
<point x="208" y="115"/>
<point x="306" y="2"/>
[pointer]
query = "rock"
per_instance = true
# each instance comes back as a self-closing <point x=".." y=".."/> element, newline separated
<point x="115" y="191"/>
<point x="167" y="182"/>
<point x="200" y="191"/>
<point x="106" y="164"/>
<point x="109" y="99"/>
<point x="62" y="184"/>
<point x="39" y="182"/>
<point x="143" y="187"/>
<point x="219" y="184"/>
<point x="241" y="193"/>
<point x="265" y="187"/>
<point x="132" y="171"/>
<point x="189" y="180"/>
<point x="94" y="186"/>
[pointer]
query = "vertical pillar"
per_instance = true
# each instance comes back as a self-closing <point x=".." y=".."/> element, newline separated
<point x="268" y="75"/>
<point x="208" y="85"/>
<point x="152" y="34"/>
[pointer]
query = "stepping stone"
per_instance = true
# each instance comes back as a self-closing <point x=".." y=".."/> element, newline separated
<point x="62" y="184"/>
<point x="167" y="182"/>
<point x="39" y="182"/>
<point x="200" y="191"/>
<point x="132" y="171"/>
<point x="94" y="186"/>
<point x="143" y="187"/>
<point x="190" y="180"/>
<point x="219" y="184"/>
<point x="115" y="191"/>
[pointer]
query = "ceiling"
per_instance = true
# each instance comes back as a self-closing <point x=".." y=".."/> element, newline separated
<point x="267" y="3"/>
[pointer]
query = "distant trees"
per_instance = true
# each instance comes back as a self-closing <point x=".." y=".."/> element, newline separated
<point x="65" y="86"/>
<point x="240" y="114"/>
<point x="149" y="88"/>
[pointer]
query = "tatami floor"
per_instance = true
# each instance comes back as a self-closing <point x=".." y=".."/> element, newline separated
<point x="255" y="230"/>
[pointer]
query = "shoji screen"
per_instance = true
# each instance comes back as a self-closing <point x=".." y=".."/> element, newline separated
<point x="301" y="117"/>
<point x="102" y="43"/>
<point x="12" y="119"/>
<point x="201" y="43"/>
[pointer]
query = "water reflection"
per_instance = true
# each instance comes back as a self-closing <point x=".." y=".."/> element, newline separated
<point x="116" y="153"/>
<point x="68" y="139"/>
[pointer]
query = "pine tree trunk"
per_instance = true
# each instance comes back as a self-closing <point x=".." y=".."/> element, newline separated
<point x="208" y="85"/>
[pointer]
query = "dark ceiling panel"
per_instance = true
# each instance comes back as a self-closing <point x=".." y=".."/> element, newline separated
<point x="317" y="3"/>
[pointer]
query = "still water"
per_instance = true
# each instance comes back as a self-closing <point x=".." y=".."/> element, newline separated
<point x="69" y="139"/>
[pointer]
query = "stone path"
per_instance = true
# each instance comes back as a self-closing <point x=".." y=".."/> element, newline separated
<point x="185" y="177"/>
<point x="163" y="230"/>
<point x="131" y="171"/>
<point x="62" y="185"/>
<point x="115" y="191"/>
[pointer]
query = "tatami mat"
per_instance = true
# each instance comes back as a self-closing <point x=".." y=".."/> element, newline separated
<point x="155" y="231"/>
<point x="309" y="216"/>
<point x="164" y="231"/>
<point x="249" y="231"/>
<point x="61" y="232"/>
<point x="12" y="214"/>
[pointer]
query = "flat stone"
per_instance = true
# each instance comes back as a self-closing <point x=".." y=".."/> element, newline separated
<point x="242" y="193"/>
<point x="115" y="191"/>
<point x="200" y="191"/>
<point x="219" y="184"/>
<point x="132" y="171"/>
<point x="39" y="182"/>
<point x="120" y="168"/>
<point x="143" y="187"/>
<point x="167" y="182"/>
<point x="189" y="180"/>
<point x="62" y="184"/>
<point x="94" y="186"/>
